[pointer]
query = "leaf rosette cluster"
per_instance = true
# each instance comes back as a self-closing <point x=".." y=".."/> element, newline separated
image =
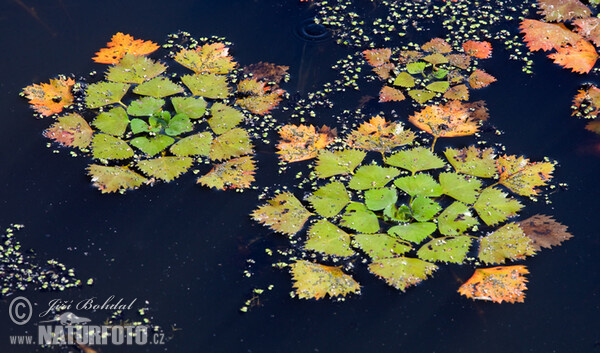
<point x="408" y="211"/>
<point x="433" y="70"/>
<point x="142" y="123"/>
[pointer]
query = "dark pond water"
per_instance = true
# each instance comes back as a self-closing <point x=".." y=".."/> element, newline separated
<point x="183" y="248"/>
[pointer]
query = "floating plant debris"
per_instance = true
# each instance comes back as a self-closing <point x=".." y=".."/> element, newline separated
<point x="20" y="269"/>
<point x="143" y="123"/>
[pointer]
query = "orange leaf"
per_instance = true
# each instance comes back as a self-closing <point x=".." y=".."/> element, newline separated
<point x="521" y="176"/>
<point x="299" y="143"/>
<point x="591" y="96"/>
<point x="580" y="58"/>
<point x="50" y="98"/>
<point x="547" y="36"/>
<point x="377" y="57"/>
<point x="259" y="99"/>
<point x="71" y="130"/>
<point x="388" y="94"/>
<point x="562" y="10"/>
<point x="380" y="135"/>
<point x="437" y="45"/>
<point x="121" y="44"/>
<point x="449" y="120"/>
<point x="380" y="60"/>
<point x="589" y="28"/>
<point x="481" y="50"/>
<point x="480" y="79"/>
<point x="497" y="284"/>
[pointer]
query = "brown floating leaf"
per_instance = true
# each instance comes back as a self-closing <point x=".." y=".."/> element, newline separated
<point x="380" y="135"/>
<point x="437" y="45"/>
<point x="459" y="60"/>
<point x="299" y="143"/>
<point x="590" y="95"/>
<point x="521" y="176"/>
<point x="459" y="92"/>
<point x="562" y="10"/>
<point x="268" y="72"/>
<point x="449" y="120"/>
<point x="71" y="130"/>
<point x="589" y="28"/>
<point x="544" y="231"/>
<point x="389" y="94"/>
<point x="480" y="79"/>
<point x="497" y="284"/>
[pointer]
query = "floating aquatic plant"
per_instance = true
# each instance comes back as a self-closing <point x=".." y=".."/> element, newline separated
<point x="586" y="104"/>
<point x="19" y="269"/>
<point x="142" y="123"/>
<point x="573" y="44"/>
<point x="434" y="70"/>
<point x="412" y="210"/>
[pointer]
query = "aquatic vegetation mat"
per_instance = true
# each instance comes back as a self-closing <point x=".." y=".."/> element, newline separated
<point x="148" y="121"/>
<point x="383" y="197"/>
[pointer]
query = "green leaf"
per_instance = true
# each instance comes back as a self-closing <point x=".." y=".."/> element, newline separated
<point x="380" y="246"/>
<point x="112" y="122"/>
<point x="109" y="147"/>
<point x="104" y="93"/>
<point x="165" y="168"/>
<point x="378" y="199"/>
<point x="415" y="160"/>
<point x="207" y="85"/>
<point x="194" y="145"/>
<point x="493" y="206"/>
<point x="413" y="232"/>
<point x="359" y="218"/>
<point x="145" y="106"/>
<point x="438" y="86"/>
<point x="283" y="213"/>
<point x="372" y="176"/>
<point x="158" y="87"/>
<point x="134" y="69"/>
<point x="224" y="118"/>
<point x="233" y="143"/>
<point x="402" y="272"/>
<point x="459" y="187"/>
<point x="456" y="219"/>
<point x="419" y="184"/>
<point x="420" y="96"/>
<point x="330" y="199"/>
<point x="446" y="249"/>
<point x="440" y="74"/>
<point x="473" y="161"/>
<point x="398" y="214"/>
<point x="113" y="179"/>
<point x="404" y="80"/>
<point x="508" y="242"/>
<point x="194" y="108"/>
<point x="338" y="162"/>
<point x="179" y="124"/>
<point x="423" y="208"/>
<point x="139" y="126"/>
<point x="152" y="145"/>
<point x="328" y="239"/>
<point x="416" y="68"/>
